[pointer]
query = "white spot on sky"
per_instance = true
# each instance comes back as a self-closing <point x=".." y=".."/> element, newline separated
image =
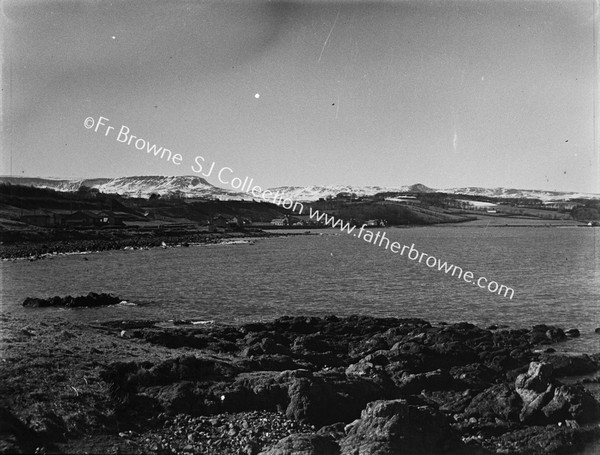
<point x="483" y="78"/>
<point x="114" y="37"/>
<point x="257" y="96"/>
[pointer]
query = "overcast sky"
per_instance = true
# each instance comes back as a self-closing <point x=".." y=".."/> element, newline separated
<point x="448" y="94"/>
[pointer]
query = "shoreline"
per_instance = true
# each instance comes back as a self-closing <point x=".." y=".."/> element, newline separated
<point x="152" y="387"/>
<point x="41" y="249"/>
<point x="38" y="249"/>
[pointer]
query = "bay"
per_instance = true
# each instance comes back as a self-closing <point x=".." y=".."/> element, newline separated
<point x="554" y="272"/>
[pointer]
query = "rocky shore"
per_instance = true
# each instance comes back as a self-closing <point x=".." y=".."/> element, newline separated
<point x="41" y="249"/>
<point x="296" y="385"/>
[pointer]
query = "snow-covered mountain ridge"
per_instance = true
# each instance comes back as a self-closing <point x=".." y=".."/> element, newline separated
<point x="196" y="187"/>
<point x="138" y="186"/>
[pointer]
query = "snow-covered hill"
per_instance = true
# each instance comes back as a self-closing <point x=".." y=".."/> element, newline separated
<point x="140" y="186"/>
<point x="144" y="186"/>
<point x="516" y="193"/>
<point x="313" y="192"/>
<point x="195" y="187"/>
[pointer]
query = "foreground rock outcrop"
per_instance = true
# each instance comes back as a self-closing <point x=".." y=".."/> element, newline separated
<point x="395" y="426"/>
<point x="306" y="385"/>
<point x="395" y="385"/>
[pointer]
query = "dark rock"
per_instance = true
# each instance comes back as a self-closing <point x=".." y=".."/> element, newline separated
<point x="546" y="402"/>
<point x="535" y="381"/>
<point x="176" y="338"/>
<point x="570" y="364"/>
<point x="270" y="346"/>
<point x="497" y="401"/>
<point x="361" y="368"/>
<point x="451" y="401"/>
<point x="296" y="324"/>
<point x="304" y="444"/>
<point x="312" y="342"/>
<point x="377" y="358"/>
<point x="573" y="333"/>
<point x="414" y="383"/>
<point x="15" y="436"/>
<point x="33" y="302"/>
<point x="91" y="300"/>
<point x="261" y="390"/>
<point x="49" y="426"/>
<point x="253" y="327"/>
<point x="263" y="345"/>
<point x="453" y="353"/>
<point x="536" y="390"/>
<point x="324" y="371"/>
<point x="266" y="363"/>
<point x="555" y="334"/>
<point x="326" y="399"/>
<point x="543" y="334"/>
<point x="544" y="440"/>
<point x="365" y="347"/>
<point x="335" y="430"/>
<point x="571" y="403"/>
<point x="396" y="427"/>
<point x="474" y="375"/>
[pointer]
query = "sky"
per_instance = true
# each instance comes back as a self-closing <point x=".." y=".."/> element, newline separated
<point x="389" y="93"/>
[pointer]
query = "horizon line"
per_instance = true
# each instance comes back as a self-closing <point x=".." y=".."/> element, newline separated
<point x="302" y="186"/>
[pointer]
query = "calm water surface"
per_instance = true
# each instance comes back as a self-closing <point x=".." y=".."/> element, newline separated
<point x="555" y="273"/>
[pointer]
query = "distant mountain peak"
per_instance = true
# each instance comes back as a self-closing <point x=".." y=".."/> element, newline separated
<point x="420" y="188"/>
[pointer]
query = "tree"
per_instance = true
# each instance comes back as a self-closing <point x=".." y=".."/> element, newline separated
<point x="585" y="214"/>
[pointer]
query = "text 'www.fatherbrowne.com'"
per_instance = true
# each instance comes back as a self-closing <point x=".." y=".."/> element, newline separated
<point x="380" y="239"/>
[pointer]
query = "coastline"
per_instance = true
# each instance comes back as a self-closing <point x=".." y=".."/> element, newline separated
<point x="118" y="240"/>
<point x="157" y="386"/>
<point x="40" y="249"/>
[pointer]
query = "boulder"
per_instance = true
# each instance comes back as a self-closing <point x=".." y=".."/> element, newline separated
<point x="304" y="444"/>
<point x="571" y="403"/>
<point x="546" y="402"/>
<point x="397" y="427"/>
<point x="570" y="364"/>
<point x="536" y="390"/>
<point x="329" y="398"/>
<point x="529" y="385"/>
<point x="255" y="391"/>
<point x="543" y="334"/>
<point x="497" y="401"/>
